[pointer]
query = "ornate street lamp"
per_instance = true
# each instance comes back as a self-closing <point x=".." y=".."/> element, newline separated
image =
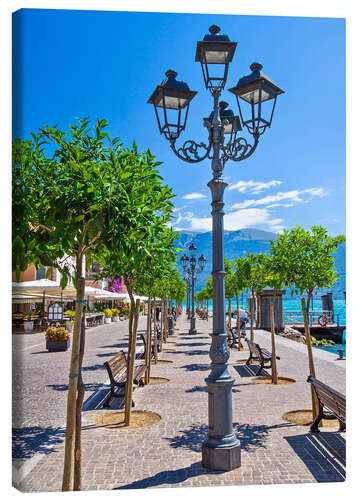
<point x="192" y="267"/>
<point x="215" y="53"/>
<point x="221" y="449"/>
<point x="184" y="262"/>
<point x="175" y="96"/>
<point x="188" y="295"/>
<point x="255" y="89"/>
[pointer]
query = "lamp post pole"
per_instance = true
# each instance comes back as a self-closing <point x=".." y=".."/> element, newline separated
<point x="193" y="330"/>
<point x="221" y="448"/>
<point x="192" y="267"/>
<point x="188" y="296"/>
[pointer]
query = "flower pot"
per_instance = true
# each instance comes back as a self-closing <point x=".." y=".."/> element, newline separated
<point x="121" y="318"/>
<point x="58" y="345"/>
<point x="28" y="326"/>
<point x="115" y="319"/>
<point x="108" y="321"/>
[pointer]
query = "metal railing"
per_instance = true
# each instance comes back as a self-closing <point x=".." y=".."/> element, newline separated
<point x="292" y="317"/>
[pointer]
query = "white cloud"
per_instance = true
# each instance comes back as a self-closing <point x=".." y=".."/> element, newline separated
<point x="276" y="225"/>
<point x="194" y="196"/>
<point x="288" y="195"/>
<point x="292" y="197"/>
<point x="233" y="220"/>
<point x="253" y="186"/>
<point x="316" y="191"/>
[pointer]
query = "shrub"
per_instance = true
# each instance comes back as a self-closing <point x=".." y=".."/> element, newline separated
<point x="108" y="313"/>
<point x="54" y="333"/>
<point x="125" y="311"/>
<point x="115" y="312"/>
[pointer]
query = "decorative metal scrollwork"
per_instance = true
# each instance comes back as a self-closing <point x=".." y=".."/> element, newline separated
<point x="190" y="151"/>
<point x="239" y="149"/>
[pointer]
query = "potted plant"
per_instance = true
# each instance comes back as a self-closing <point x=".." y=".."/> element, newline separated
<point x="115" y="316"/>
<point x="125" y="312"/>
<point x="57" y="339"/>
<point x="28" y="320"/>
<point x="108" y="316"/>
<point x="70" y="321"/>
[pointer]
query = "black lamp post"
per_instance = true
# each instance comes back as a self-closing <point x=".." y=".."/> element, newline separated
<point x="192" y="267"/>
<point x="257" y="93"/>
<point x="188" y="287"/>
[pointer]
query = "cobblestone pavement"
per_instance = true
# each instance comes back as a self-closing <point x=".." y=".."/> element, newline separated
<point x="40" y="383"/>
<point x="169" y="452"/>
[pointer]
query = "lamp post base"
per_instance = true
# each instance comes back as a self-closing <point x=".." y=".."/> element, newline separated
<point x="221" y="458"/>
<point x="192" y="332"/>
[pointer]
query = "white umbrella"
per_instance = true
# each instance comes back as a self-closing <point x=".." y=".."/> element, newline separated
<point x="26" y="299"/>
<point x="43" y="285"/>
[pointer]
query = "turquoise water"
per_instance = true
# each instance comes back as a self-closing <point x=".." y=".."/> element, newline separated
<point x="293" y="304"/>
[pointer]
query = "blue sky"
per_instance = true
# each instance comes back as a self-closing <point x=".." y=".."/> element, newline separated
<point x="106" y="64"/>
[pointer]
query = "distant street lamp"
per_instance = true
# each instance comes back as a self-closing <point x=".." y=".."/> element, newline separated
<point x="192" y="267"/>
<point x="188" y="290"/>
<point x="256" y="96"/>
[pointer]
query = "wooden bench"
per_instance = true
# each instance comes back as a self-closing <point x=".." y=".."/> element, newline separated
<point x="143" y="338"/>
<point x="234" y="336"/>
<point x="260" y="354"/>
<point x="117" y="372"/>
<point x="333" y="401"/>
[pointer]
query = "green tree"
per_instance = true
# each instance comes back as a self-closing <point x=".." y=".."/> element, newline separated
<point x="304" y="261"/>
<point x="85" y="196"/>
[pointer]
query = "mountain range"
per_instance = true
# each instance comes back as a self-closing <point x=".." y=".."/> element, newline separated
<point x="239" y="243"/>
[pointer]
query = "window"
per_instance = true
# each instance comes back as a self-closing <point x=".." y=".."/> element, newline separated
<point x="41" y="273"/>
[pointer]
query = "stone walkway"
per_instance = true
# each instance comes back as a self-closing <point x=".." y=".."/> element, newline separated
<point x="169" y="452"/>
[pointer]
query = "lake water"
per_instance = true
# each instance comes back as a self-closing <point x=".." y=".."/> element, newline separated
<point x="293" y="304"/>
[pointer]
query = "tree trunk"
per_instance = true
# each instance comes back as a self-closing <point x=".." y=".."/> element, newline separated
<point x="305" y="311"/>
<point x="155" y="333"/>
<point x="274" y="371"/>
<point x="164" y="320"/>
<point x="238" y="324"/>
<point x="131" y="356"/>
<point x="259" y="311"/>
<point x="148" y="344"/>
<point x="252" y="318"/>
<point x="77" y="479"/>
<point x="161" y="325"/>
<point x="73" y="380"/>
<point x="229" y="313"/>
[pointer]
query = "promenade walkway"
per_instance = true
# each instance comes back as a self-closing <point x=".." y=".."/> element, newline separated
<point x="169" y="452"/>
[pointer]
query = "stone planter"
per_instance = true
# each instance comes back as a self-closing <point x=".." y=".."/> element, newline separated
<point x="121" y="318"/>
<point x="28" y="326"/>
<point x="115" y="319"/>
<point x="58" y="345"/>
<point x="107" y="321"/>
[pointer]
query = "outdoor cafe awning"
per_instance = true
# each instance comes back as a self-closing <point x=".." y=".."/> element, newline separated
<point x="44" y="285"/>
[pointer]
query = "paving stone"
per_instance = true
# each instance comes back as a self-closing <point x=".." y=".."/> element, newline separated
<point x="169" y="452"/>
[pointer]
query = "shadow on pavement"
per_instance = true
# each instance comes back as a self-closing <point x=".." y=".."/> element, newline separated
<point x="192" y="344"/>
<point x="250" y="436"/>
<point x="250" y="371"/>
<point x="195" y="367"/>
<point x="323" y="453"/>
<point x="26" y="441"/>
<point x="195" y="352"/>
<point x="64" y="387"/>
<point x="204" y="388"/>
<point x="170" y="477"/>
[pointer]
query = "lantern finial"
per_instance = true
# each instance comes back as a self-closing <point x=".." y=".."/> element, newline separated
<point x="170" y="73"/>
<point x="256" y="66"/>
<point x="214" y="29"/>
